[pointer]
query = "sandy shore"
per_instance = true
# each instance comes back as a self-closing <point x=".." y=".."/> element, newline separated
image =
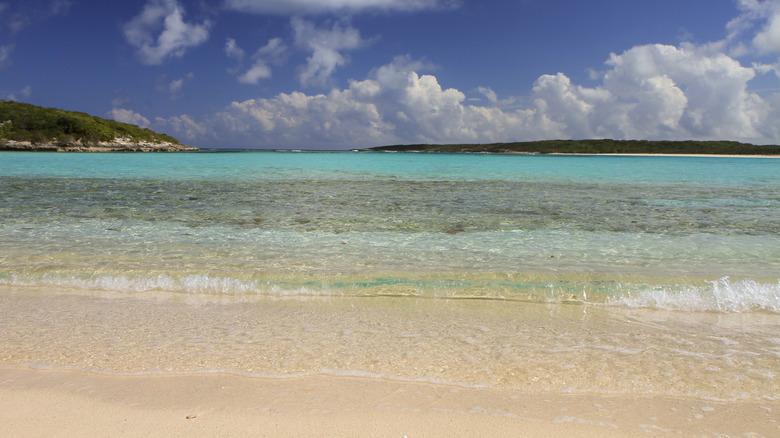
<point x="36" y="403"/>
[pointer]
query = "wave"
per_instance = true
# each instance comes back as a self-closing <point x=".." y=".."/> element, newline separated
<point x="719" y="296"/>
<point x="723" y="295"/>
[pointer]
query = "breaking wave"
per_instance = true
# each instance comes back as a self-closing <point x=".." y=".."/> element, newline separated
<point x="723" y="295"/>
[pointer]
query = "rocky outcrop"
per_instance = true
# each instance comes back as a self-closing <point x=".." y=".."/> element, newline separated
<point x="118" y="145"/>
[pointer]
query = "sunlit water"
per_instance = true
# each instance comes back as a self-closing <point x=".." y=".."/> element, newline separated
<point x="640" y="275"/>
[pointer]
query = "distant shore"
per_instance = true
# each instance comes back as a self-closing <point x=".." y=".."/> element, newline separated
<point x="595" y="147"/>
<point x="118" y="146"/>
<point x="676" y="155"/>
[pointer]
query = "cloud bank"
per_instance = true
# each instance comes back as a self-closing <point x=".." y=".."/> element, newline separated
<point x="647" y="92"/>
<point x="653" y="91"/>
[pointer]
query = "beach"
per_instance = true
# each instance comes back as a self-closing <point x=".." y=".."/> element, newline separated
<point x="61" y="403"/>
<point x="358" y="294"/>
<point x="356" y="367"/>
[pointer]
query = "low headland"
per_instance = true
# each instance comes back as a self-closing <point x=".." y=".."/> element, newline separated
<point x="588" y="147"/>
<point x="25" y="127"/>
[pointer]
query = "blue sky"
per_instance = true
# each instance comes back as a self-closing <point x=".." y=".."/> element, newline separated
<point x="335" y="74"/>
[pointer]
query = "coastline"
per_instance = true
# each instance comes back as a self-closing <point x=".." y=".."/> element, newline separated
<point x="606" y="154"/>
<point x="49" y="402"/>
<point x="115" y="146"/>
<point x="593" y="147"/>
<point x="672" y="155"/>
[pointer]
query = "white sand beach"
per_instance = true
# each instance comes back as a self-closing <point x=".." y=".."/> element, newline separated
<point x="38" y="403"/>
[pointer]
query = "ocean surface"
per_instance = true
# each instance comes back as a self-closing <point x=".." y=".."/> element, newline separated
<point x="574" y="274"/>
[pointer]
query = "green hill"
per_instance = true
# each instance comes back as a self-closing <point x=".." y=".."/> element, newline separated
<point x="29" y="127"/>
<point x="594" y="147"/>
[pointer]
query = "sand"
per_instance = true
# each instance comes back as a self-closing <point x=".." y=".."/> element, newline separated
<point x="38" y="403"/>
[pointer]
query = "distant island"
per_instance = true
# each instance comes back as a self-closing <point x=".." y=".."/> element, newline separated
<point x="25" y="127"/>
<point x="643" y="147"/>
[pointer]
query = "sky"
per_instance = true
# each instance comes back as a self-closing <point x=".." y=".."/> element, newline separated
<point x="340" y="74"/>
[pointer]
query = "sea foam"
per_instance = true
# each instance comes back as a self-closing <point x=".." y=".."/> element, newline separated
<point x="719" y="296"/>
<point x="723" y="295"/>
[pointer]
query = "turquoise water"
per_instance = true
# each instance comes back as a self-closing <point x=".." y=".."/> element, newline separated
<point x="593" y="227"/>
<point x="575" y="274"/>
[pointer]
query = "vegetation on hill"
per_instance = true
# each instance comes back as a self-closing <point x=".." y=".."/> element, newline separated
<point x="594" y="147"/>
<point x="21" y="122"/>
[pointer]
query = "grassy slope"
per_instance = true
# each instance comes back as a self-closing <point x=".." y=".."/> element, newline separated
<point x="25" y="122"/>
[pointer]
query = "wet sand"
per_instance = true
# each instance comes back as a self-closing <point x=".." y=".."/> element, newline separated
<point x="86" y="364"/>
<point x="67" y="403"/>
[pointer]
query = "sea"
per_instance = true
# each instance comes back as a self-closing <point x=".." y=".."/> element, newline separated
<point x="573" y="274"/>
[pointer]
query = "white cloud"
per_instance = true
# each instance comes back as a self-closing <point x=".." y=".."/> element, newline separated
<point x="768" y="39"/>
<point x="697" y="93"/>
<point x="273" y="52"/>
<point x="184" y="127"/>
<point x="232" y="50"/>
<point x="647" y="92"/>
<point x="291" y="7"/>
<point x="492" y="97"/>
<point x="128" y="116"/>
<point x="160" y="32"/>
<point x="755" y="13"/>
<point x="650" y="91"/>
<point x="395" y="104"/>
<point x="326" y="47"/>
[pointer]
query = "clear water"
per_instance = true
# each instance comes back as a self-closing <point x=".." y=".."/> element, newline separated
<point x="282" y="263"/>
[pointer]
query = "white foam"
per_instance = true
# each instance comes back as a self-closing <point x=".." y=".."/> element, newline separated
<point x="720" y="296"/>
<point x="192" y="284"/>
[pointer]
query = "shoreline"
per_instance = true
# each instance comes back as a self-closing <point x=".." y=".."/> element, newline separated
<point x="48" y="402"/>
<point x="606" y="154"/>
<point x="115" y="146"/>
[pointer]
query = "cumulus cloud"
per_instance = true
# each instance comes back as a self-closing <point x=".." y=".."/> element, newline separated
<point x="128" y="116"/>
<point x="696" y="93"/>
<point x="326" y="47"/>
<point x="649" y="91"/>
<point x="764" y="15"/>
<point x="646" y="92"/>
<point x="273" y="52"/>
<point x="289" y="7"/>
<point x="768" y="39"/>
<point x="184" y="126"/>
<point x="395" y="104"/>
<point x="160" y="32"/>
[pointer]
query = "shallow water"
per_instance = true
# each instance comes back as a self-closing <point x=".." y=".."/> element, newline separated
<point x="474" y="343"/>
<point x="638" y="275"/>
